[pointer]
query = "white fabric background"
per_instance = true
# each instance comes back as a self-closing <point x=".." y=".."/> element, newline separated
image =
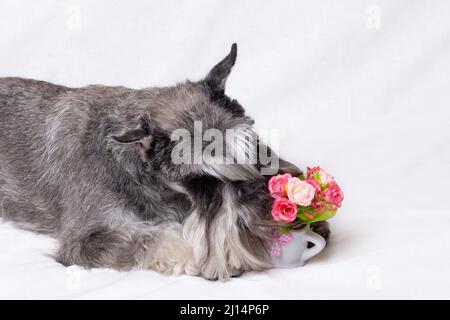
<point x="360" y="87"/>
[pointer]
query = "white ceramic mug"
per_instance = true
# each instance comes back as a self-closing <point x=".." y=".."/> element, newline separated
<point x="296" y="252"/>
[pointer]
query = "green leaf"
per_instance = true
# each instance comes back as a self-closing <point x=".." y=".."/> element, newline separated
<point x="316" y="176"/>
<point x="319" y="217"/>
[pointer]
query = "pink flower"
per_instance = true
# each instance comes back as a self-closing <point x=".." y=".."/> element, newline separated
<point x="277" y="185"/>
<point x="311" y="171"/>
<point x="318" y="205"/>
<point x="300" y="192"/>
<point x="315" y="184"/>
<point x="284" y="210"/>
<point x="325" y="177"/>
<point x="320" y="175"/>
<point x="333" y="194"/>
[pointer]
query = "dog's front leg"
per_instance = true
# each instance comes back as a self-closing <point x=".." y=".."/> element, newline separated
<point x="133" y="245"/>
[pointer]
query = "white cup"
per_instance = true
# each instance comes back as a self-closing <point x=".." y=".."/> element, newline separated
<point x="296" y="252"/>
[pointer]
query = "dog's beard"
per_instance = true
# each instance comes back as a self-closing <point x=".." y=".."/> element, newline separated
<point x="233" y="238"/>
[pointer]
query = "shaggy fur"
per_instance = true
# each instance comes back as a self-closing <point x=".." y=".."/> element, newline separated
<point x="92" y="167"/>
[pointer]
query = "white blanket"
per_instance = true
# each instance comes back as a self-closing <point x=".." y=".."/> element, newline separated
<point x="359" y="87"/>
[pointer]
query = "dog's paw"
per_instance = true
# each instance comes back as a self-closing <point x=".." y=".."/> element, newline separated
<point x="172" y="255"/>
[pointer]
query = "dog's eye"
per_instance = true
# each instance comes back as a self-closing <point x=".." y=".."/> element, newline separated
<point x="242" y="192"/>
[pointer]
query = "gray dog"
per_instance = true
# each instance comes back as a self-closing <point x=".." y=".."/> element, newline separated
<point x="93" y="167"/>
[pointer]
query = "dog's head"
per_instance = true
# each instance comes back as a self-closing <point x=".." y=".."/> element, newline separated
<point x="194" y="128"/>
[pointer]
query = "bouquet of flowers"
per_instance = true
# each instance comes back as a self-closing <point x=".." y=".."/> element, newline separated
<point x="304" y="200"/>
<point x="300" y="201"/>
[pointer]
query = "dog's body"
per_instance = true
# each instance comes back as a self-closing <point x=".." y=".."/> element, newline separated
<point x="92" y="167"/>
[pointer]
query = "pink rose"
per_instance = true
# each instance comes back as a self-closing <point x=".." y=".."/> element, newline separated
<point x="277" y="185"/>
<point x="284" y="210"/>
<point x="333" y="194"/>
<point x="300" y="192"/>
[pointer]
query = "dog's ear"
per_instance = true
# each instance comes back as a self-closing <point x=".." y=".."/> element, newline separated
<point x="218" y="75"/>
<point x="140" y="137"/>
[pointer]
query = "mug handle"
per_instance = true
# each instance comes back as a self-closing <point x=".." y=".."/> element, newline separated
<point x="318" y="241"/>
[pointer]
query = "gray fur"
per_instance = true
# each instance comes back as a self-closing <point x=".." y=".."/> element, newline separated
<point x="91" y="167"/>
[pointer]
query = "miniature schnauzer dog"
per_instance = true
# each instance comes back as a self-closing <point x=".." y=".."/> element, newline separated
<point x="94" y="167"/>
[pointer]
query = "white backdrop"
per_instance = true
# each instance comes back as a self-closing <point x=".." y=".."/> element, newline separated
<point x="360" y="87"/>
